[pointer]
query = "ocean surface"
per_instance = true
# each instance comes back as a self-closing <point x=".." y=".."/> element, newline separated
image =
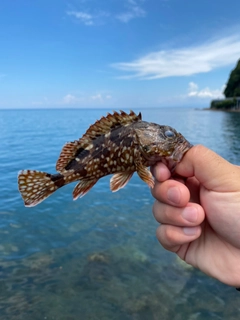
<point x="98" y="257"/>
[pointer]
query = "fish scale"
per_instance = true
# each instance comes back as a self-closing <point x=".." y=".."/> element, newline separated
<point x="117" y="144"/>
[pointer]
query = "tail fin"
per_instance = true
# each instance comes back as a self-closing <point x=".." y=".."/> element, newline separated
<point x="35" y="186"/>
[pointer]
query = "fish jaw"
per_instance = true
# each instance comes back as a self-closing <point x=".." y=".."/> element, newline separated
<point x="172" y="160"/>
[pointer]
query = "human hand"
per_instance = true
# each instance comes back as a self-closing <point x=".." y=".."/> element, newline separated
<point x="199" y="212"/>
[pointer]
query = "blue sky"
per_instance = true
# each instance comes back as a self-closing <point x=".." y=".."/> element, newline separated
<point x="116" y="53"/>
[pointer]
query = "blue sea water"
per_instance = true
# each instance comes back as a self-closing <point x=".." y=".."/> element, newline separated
<point x="98" y="257"/>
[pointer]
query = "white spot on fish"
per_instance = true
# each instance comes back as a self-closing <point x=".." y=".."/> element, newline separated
<point x="89" y="147"/>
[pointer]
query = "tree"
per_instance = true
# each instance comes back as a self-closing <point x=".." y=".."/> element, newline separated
<point x="233" y="85"/>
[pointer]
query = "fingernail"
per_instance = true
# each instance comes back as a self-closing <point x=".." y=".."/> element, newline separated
<point x="173" y="195"/>
<point x="190" y="214"/>
<point x="190" y="231"/>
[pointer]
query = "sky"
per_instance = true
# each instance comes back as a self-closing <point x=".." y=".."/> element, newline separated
<point x="116" y="53"/>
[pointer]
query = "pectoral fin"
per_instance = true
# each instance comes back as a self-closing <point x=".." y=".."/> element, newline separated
<point x="119" y="180"/>
<point x="83" y="187"/>
<point x="145" y="174"/>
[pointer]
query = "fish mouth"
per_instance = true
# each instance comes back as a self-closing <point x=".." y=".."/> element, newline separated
<point x="172" y="161"/>
<point x="182" y="148"/>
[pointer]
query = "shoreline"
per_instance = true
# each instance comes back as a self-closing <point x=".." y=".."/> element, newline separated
<point x="222" y="109"/>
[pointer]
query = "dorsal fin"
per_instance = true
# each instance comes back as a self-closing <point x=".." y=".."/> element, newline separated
<point x="100" y="127"/>
<point x="111" y="121"/>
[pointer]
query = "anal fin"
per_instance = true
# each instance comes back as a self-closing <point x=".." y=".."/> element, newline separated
<point x="83" y="187"/>
<point x="119" y="180"/>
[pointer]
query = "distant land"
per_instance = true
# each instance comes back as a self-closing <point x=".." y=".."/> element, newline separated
<point x="231" y="92"/>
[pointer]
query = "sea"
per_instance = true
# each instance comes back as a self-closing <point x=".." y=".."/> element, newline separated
<point x="98" y="258"/>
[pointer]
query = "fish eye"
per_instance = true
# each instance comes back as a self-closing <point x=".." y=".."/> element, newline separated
<point x="169" y="134"/>
<point x="146" y="148"/>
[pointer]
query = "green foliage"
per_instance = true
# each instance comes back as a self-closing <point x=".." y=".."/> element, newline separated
<point x="233" y="85"/>
<point x="237" y="92"/>
<point x="223" y="104"/>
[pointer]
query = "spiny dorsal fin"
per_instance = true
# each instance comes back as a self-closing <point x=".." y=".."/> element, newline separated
<point x="100" y="127"/>
<point x="111" y="121"/>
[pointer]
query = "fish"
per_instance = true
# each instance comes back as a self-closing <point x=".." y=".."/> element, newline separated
<point x="120" y="144"/>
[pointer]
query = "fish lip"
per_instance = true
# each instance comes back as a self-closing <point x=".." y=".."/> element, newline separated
<point x="172" y="161"/>
<point x="181" y="150"/>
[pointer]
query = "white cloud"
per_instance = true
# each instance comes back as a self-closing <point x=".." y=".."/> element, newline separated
<point x="43" y="102"/>
<point x="193" y="91"/>
<point x="184" y="61"/>
<point x="98" y="17"/>
<point x="134" y="11"/>
<point x="97" y="97"/>
<point x="70" y="99"/>
<point x="192" y="87"/>
<point x="85" y="99"/>
<point x="86" y="18"/>
<point x="100" y="97"/>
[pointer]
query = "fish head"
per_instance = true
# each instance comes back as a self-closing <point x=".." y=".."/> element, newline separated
<point x="162" y="143"/>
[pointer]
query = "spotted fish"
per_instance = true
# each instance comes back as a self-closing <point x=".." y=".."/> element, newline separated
<point x="117" y="144"/>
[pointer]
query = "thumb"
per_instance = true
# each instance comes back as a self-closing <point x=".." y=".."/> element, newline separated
<point x="211" y="170"/>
